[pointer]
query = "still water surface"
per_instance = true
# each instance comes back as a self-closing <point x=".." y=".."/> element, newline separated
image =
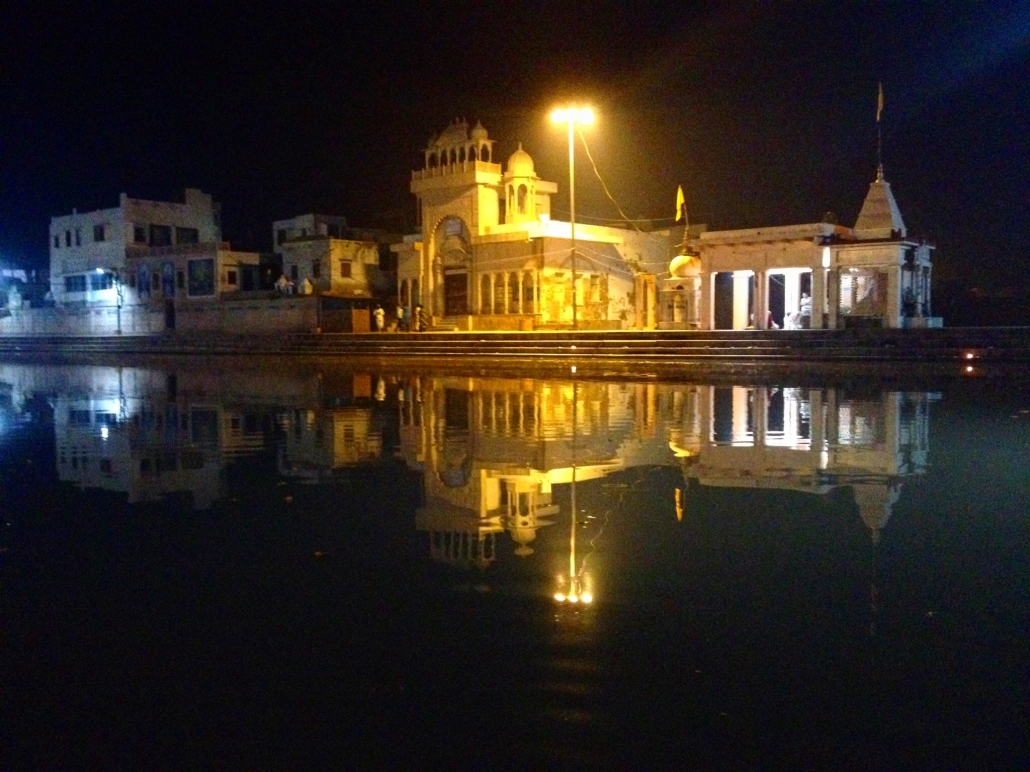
<point x="313" y="567"/>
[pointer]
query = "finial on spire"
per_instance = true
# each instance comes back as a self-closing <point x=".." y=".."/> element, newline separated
<point x="879" y="172"/>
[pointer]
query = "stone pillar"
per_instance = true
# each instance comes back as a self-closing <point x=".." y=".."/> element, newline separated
<point x="705" y="297"/>
<point x="761" y="300"/>
<point x="818" y="297"/>
<point x="521" y="286"/>
<point x="833" y="288"/>
<point x="437" y="305"/>
<point x="893" y="309"/>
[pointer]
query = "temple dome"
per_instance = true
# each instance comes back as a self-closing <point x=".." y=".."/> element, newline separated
<point x="455" y="133"/>
<point x="478" y="132"/>
<point x="685" y="266"/>
<point x="521" y="164"/>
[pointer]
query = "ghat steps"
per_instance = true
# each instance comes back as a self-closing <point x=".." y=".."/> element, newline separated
<point x="746" y="346"/>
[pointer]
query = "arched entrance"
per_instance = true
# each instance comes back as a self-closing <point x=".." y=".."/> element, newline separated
<point x="453" y="260"/>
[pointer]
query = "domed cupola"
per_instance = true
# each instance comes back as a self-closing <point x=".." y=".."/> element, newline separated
<point x="478" y="133"/>
<point x="520" y="164"/>
<point x="520" y="188"/>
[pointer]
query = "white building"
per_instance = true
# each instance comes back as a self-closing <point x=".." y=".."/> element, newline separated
<point x="89" y="251"/>
<point x="813" y="275"/>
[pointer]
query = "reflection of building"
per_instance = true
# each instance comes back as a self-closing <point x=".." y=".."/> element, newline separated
<point x="491" y="451"/>
<point x="150" y="433"/>
<point x="807" y="440"/>
<point x="490" y="257"/>
<point x="316" y="443"/>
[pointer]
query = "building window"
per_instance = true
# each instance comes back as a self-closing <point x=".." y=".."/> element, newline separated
<point x="98" y="233"/>
<point x="100" y="281"/>
<point x="75" y="283"/>
<point x="57" y="242"/>
<point x="67" y="238"/>
<point x="345" y="269"/>
<point x="78" y="237"/>
<point x="316" y="269"/>
<point x="160" y="235"/>
<point x="522" y="199"/>
<point x="187" y="236"/>
<point x="180" y="280"/>
<point x="231" y="278"/>
<point x="202" y="277"/>
<point x="294" y="274"/>
<point x="139" y="234"/>
<point x="155" y="282"/>
<point x="280" y="236"/>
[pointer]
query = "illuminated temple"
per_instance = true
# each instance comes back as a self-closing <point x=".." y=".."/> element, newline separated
<point x="489" y="256"/>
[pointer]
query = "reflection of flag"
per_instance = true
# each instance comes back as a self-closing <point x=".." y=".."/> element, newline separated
<point x="680" y="201"/>
<point x="879" y="103"/>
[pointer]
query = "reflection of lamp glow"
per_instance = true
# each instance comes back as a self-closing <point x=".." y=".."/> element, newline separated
<point x="586" y="597"/>
<point x="969" y="368"/>
<point x="103" y="432"/>
<point x="969" y="355"/>
<point x="560" y="597"/>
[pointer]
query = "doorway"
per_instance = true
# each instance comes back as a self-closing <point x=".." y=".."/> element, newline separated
<point x="455" y="293"/>
<point x="169" y="314"/>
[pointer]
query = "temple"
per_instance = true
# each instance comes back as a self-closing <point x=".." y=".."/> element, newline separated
<point x="814" y="275"/>
<point x="490" y="257"/>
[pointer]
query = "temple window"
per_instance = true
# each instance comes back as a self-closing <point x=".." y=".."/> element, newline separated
<point x="522" y="199"/>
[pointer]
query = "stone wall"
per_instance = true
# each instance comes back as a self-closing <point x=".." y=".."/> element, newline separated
<point x="295" y="314"/>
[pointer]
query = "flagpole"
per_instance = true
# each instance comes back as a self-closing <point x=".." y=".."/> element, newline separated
<point x="879" y="134"/>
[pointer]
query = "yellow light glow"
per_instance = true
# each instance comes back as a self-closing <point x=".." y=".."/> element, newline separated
<point x="560" y="597"/>
<point x="969" y="355"/>
<point x="580" y="115"/>
<point x="587" y="598"/>
<point x="969" y="368"/>
<point x="573" y="599"/>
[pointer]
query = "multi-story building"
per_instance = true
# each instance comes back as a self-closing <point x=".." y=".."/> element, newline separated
<point x="90" y="251"/>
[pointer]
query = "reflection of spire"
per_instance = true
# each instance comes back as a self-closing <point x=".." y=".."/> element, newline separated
<point x="876" y="504"/>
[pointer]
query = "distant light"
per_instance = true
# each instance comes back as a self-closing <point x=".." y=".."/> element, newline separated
<point x="103" y="432"/>
<point x="100" y="270"/>
<point x="969" y="368"/>
<point x="969" y="355"/>
<point x="573" y="368"/>
<point x="826" y="257"/>
<point x="560" y="597"/>
<point x="587" y="597"/>
<point x="573" y="599"/>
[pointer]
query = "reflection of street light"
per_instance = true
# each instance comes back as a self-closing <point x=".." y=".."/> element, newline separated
<point x="583" y="116"/>
<point x="576" y="593"/>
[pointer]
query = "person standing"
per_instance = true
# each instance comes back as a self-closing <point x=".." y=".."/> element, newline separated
<point x="419" y="319"/>
<point x="402" y="322"/>
<point x="380" y="318"/>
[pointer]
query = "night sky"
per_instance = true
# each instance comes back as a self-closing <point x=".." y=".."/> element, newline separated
<point x="764" y="112"/>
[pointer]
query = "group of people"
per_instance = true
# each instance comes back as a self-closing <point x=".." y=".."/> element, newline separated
<point x="415" y="323"/>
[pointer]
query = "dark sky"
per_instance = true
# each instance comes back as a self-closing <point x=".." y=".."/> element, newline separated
<point x="764" y="112"/>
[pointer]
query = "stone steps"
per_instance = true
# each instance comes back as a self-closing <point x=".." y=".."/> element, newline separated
<point x="957" y="344"/>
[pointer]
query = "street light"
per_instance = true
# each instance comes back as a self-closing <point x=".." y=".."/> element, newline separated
<point x="583" y="116"/>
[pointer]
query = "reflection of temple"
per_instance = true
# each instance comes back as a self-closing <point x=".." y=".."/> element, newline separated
<point x="491" y="450"/>
<point x="807" y="440"/>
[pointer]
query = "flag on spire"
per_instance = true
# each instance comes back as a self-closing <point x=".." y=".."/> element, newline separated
<point x="680" y="201"/>
<point x="879" y="102"/>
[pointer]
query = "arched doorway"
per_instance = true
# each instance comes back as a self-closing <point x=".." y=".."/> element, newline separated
<point x="453" y="260"/>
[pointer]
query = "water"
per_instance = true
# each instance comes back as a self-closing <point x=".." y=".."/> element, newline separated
<point x="211" y="566"/>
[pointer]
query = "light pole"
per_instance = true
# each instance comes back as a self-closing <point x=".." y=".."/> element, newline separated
<point x="572" y="116"/>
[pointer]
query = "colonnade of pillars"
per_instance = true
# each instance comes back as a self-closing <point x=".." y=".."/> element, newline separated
<point x="496" y="296"/>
